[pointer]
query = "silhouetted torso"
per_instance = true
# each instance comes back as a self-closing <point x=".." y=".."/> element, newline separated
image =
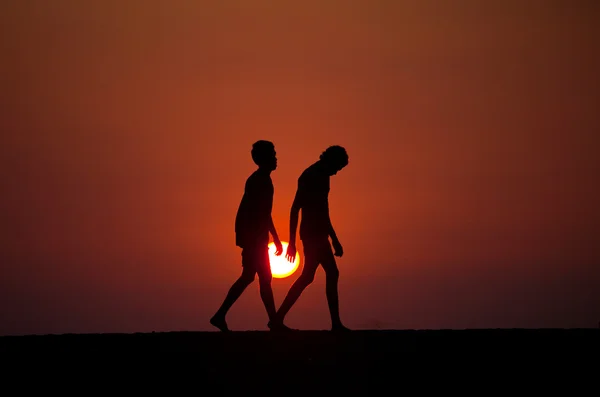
<point x="313" y="188"/>
<point x="254" y="213"/>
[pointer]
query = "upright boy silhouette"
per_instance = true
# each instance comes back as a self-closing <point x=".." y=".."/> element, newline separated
<point x="253" y="224"/>
<point x="312" y="197"/>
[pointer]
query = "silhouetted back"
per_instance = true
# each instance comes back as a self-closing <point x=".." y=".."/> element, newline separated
<point x="313" y="197"/>
<point x="254" y="212"/>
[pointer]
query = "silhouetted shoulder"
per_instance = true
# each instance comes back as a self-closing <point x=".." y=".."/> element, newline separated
<point x="310" y="174"/>
<point x="313" y="178"/>
<point x="258" y="182"/>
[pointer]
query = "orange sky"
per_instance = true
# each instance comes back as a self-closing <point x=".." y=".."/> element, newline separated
<point x="471" y="197"/>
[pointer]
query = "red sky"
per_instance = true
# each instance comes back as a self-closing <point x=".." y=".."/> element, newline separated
<point x="471" y="197"/>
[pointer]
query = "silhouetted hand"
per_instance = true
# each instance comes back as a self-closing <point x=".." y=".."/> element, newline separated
<point x="279" y="247"/>
<point x="337" y="248"/>
<point x="290" y="254"/>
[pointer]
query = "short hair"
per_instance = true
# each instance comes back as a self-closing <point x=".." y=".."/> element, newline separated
<point x="260" y="150"/>
<point x="336" y="155"/>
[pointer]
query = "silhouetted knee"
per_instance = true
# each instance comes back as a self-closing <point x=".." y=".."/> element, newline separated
<point x="265" y="280"/>
<point x="306" y="279"/>
<point x="332" y="274"/>
<point x="246" y="279"/>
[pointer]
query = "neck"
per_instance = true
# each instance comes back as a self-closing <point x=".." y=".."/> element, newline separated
<point x="264" y="171"/>
<point x="322" y="165"/>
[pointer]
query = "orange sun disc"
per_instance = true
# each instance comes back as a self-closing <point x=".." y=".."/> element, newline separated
<point x="280" y="266"/>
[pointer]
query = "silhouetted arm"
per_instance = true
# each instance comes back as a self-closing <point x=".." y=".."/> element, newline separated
<point x="332" y="231"/>
<point x="337" y="246"/>
<point x="294" y="214"/>
<point x="272" y="230"/>
<point x="276" y="239"/>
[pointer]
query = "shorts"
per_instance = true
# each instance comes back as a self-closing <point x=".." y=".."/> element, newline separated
<point x="318" y="250"/>
<point x="256" y="259"/>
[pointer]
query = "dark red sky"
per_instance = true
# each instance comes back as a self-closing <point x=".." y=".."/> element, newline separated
<point x="471" y="197"/>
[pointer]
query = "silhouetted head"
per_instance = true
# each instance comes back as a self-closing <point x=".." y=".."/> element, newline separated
<point x="263" y="154"/>
<point x="334" y="158"/>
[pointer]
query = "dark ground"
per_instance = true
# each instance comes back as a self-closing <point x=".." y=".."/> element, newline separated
<point x="321" y="360"/>
<point x="318" y="345"/>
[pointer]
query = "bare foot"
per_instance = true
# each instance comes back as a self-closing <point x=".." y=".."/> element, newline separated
<point x="279" y="326"/>
<point x="340" y="328"/>
<point x="220" y="323"/>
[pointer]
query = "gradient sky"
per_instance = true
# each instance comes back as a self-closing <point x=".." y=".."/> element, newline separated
<point x="471" y="197"/>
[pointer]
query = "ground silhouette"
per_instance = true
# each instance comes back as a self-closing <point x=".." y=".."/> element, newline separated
<point x="315" y="363"/>
<point x="320" y="346"/>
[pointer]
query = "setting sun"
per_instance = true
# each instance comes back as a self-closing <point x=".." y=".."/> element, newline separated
<point x="280" y="266"/>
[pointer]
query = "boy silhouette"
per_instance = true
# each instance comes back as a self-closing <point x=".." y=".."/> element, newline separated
<point x="312" y="197"/>
<point x="253" y="223"/>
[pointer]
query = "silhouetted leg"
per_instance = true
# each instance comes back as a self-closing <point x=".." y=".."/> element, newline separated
<point x="307" y="277"/>
<point x="266" y="293"/>
<point x="236" y="290"/>
<point x="332" y="276"/>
